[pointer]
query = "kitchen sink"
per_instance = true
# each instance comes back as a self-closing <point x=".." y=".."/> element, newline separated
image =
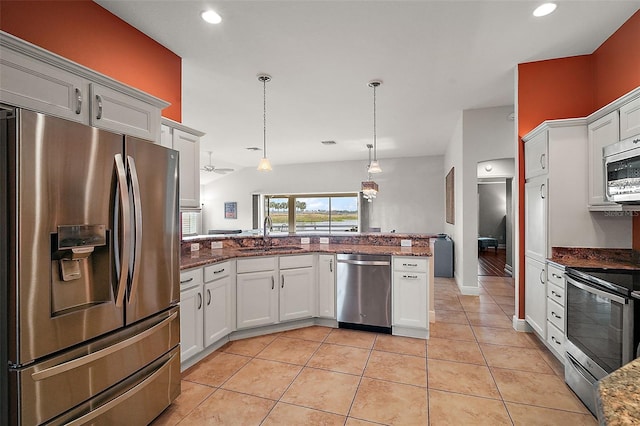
<point x="270" y="248"/>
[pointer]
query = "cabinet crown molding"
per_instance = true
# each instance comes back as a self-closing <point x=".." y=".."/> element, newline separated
<point x="615" y="105"/>
<point x="551" y="124"/>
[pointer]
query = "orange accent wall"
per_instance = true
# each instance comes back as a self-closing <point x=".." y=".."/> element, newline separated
<point x="88" y="34"/>
<point x="575" y="87"/>
<point x="616" y="63"/>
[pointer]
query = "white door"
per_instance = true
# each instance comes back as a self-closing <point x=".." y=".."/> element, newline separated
<point x="535" y="296"/>
<point x="410" y="299"/>
<point x="296" y="294"/>
<point x="327" y="286"/>
<point x="191" y="317"/>
<point x="535" y="219"/>
<point x="257" y="299"/>
<point x="217" y="311"/>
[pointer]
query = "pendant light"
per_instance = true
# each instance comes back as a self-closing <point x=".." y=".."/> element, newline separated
<point x="264" y="165"/>
<point x="369" y="187"/>
<point x="374" y="166"/>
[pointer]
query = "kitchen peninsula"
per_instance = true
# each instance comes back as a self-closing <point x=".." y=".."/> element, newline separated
<point x="235" y="287"/>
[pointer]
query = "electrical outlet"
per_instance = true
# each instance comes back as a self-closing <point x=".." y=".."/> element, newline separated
<point x="195" y="246"/>
<point x="305" y="240"/>
<point x="405" y="243"/>
<point x="216" y="245"/>
<point x="324" y="240"/>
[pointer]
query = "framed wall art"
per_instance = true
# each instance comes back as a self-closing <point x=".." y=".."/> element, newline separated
<point x="231" y="210"/>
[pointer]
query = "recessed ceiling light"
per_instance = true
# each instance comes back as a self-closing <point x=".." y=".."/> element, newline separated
<point x="544" y="9"/>
<point x="328" y="142"/>
<point x="211" y="17"/>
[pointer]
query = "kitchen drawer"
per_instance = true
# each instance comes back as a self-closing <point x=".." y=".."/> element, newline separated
<point x="410" y="264"/>
<point x="555" y="293"/>
<point x="555" y="314"/>
<point x="296" y="261"/>
<point x="219" y="270"/>
<point x="555" y="338"/>
<point x="190" y="278"/>
<point x="555" y="275"/>
<point x="257" y="264"/>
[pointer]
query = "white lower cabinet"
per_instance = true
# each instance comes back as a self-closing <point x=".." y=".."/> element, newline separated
<point x="207" y="308"/>
<point x="219" y="301"/>
<point x="327" y="286"/>
<point x="536" y="296"/>
<point x="191" y="313"/>
<point x="410" y="292"/>
<point x="272" y="289"/>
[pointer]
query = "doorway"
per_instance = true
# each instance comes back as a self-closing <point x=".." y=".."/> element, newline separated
<point x="495" y="218"/>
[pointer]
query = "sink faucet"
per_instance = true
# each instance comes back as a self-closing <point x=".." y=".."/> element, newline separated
<point x="266" y="227"/>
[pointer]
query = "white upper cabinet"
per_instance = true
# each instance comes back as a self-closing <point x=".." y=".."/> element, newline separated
<point x="536" y="158"/>
<point x="630" y="120"/>
<point x="602" y="132"/>
<point x="535" y="218"/>
<point x="36" y="79"/>
<point x="39" y="86"/>
<point x="118" y="112"/>
<point x="187" y="142"/>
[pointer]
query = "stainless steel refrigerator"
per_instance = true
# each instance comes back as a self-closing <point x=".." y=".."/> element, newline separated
<point x="90" y="273"/>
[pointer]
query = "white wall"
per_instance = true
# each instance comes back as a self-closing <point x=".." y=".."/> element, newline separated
<point x="481" y="135"/>
<point x="411" y="197"/>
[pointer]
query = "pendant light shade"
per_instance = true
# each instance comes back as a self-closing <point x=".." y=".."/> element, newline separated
<point x="265" y="164"/>
<point x="374" y="166"/>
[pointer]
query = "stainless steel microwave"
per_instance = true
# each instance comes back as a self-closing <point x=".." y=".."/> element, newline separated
<point x="622" y="171"/>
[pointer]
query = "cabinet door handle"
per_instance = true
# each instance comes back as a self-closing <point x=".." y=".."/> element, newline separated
<point x="542" y="161"/>
<point x="208" y="297"/>
<point x="541" y="280"/>
<point x="78" y="101"/>
<point x="199" y="300"/>
<point x="99" y="101"/>
<point x="556" y="275"/>
<point x="273" y="283"/>
<point x="542" y="191"/>
<point x="331" y="265"/>
<point x="556" y="294"/>
<point x="636" y="140"/>
<point x="413" y="265"/>
<point x="556" y="341"/>
<point x="282" y="281"/>
<point x="186" y="281"/>
<point x="553" y="314"/>
<point x="218" y="271"/>
<point x="411" y="277"/>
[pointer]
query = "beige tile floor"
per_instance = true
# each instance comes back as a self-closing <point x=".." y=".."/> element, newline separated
<point x="474" y="370"/>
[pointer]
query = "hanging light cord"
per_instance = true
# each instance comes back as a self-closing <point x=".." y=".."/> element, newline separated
<point x="375" y="155"/>
<point x="264" y="117"/>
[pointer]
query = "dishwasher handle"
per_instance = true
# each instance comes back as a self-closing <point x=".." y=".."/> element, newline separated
<point x="365" y="262"/>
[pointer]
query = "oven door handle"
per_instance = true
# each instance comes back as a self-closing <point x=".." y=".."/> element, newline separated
<point x="597" y="292"/>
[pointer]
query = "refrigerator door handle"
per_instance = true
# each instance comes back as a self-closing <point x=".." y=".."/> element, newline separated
<point x="123" y="247"/>
<point x="75" y="363"/>
<point x="137" y="241"/>
<point x="125" y="396"/>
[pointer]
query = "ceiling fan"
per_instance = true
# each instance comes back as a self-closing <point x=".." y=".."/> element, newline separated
<point x="211" y="168"/>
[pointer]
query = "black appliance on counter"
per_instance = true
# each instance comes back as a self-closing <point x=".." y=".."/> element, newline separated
<point x="602" y="326"/>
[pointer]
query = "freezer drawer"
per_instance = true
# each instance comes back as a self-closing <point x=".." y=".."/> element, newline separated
<point x="136" y="401"/>
<point x="42" y="391"/>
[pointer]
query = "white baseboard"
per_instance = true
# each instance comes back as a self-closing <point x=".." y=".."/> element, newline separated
<point x="432" y="316"/>
<point x="521" y="325"/>
<point x="470" y="290"/>
<point x="416" y="333"/>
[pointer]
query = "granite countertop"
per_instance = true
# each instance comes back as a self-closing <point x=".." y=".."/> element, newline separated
<point x="618" y="396"/>
<point x="206" y="256"/>
<point x="595" y="258"/>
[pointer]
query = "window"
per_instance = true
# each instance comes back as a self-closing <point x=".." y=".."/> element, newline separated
<point x="190" y="223"/>
<point x="313" y="214"/>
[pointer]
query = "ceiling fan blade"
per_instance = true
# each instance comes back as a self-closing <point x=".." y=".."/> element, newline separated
<point x="222" y="171"/>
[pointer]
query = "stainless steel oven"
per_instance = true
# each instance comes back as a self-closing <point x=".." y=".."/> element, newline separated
<point x="601" y="318"/>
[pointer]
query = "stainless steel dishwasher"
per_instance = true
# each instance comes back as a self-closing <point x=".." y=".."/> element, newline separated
<point x="364" y="292"/>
